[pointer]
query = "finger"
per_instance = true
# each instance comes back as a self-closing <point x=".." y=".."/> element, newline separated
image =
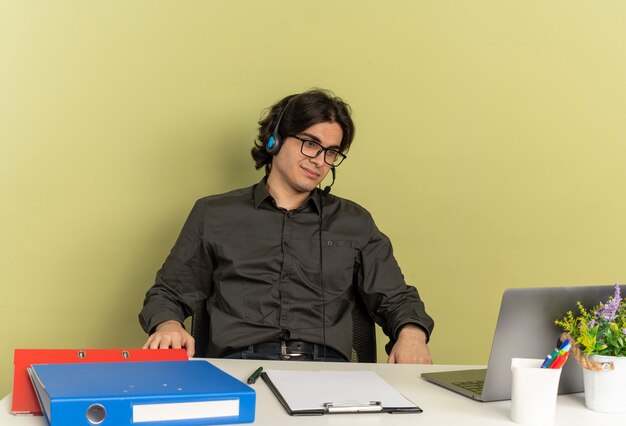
<point x="424" y="357"/>
<point x="148" y="344"/>
<point x="190" y="344"/>
<point x="155" y="342"/>
<point x="176" y="341"/>
<point x="161" y="341"/>
<point x="171" y="341"/>
<point x="164" y="342"/>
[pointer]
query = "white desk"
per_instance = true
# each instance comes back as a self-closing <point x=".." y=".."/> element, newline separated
<point x="441" y="406"/>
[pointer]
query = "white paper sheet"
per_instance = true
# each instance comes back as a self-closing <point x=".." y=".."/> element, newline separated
<point x="310" y="390"/>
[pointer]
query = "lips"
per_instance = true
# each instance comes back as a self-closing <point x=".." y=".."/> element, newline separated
<point x="310" y="173"/>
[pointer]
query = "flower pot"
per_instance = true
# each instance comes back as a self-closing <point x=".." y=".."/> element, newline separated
<point x="605" y="390"/>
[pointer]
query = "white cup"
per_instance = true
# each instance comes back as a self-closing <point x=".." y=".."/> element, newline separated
<point x="533" y="392"/>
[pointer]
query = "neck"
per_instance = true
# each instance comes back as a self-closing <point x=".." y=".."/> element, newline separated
<point x="284" y="196"/>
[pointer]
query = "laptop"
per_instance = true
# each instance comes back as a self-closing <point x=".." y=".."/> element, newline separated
<point x="525" y="329"/>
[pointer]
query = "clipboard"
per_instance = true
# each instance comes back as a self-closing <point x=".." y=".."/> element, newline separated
<point x="310" y="393"/>
<point x="24" y="397"/>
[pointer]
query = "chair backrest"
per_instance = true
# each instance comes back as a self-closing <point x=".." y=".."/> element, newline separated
<point x="200" y="331"/>
<point x="363" y="333"/>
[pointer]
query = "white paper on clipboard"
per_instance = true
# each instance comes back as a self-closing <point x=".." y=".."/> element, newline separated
<point x="314" y="390"/>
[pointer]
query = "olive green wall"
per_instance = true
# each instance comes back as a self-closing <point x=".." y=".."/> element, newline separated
<point x="490" y="146"/>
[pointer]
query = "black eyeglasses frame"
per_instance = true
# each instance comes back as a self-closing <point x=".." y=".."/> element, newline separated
<point x="339" y="155"/>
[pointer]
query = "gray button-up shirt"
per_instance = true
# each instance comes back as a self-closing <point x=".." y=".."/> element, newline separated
<point x="258" y="270"/>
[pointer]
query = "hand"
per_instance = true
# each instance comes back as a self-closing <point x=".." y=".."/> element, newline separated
<point x="411" y="347"/>
<point x="171" y="334"/>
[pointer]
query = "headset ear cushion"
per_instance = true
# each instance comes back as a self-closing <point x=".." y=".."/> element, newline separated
<point x="273" y="144"/>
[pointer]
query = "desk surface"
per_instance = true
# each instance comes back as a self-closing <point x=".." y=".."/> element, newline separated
<point x="440" y="406"/>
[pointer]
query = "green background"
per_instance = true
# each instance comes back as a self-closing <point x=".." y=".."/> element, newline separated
<point x="490" y="146"/>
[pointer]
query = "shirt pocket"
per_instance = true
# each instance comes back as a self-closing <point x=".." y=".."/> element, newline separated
<point x="339" y="258"/>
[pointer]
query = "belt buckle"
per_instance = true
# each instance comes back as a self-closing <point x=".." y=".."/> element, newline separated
<point x="283" y="351"/>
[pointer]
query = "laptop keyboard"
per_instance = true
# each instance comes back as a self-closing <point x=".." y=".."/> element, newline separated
<point x="475" y="386"/>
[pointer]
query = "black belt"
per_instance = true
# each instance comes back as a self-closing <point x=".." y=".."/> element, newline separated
<point x="294" y="349"/>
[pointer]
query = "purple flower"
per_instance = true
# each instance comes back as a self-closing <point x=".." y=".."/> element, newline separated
<point x="608" y="310"/>
<point x="624" y="331"/>
<point x="592" y="323"/>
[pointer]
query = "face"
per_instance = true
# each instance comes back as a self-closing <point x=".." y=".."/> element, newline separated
<point x="299" y="174"/>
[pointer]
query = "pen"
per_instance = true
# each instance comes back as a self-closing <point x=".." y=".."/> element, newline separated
<point x="547" y="361"/>
<point x="550" y="358"/>
<point x="255" y="375"/>
<point x="557" y="361"/>
<point x="560" y="361"/>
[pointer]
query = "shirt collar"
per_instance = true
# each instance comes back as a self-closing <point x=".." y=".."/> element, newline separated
<point x="261" y="194"/>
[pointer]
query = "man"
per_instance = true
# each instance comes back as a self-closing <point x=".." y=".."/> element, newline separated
<point x="277" y="265"/>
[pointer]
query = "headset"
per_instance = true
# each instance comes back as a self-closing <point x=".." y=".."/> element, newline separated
<point x="274" y="142"/>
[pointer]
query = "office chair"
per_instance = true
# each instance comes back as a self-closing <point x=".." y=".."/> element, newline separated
<point x="363" y="333"/>
<point x="200" y="330"/>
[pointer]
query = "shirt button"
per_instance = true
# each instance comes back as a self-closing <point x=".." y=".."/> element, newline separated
<point x="330" y="243"/>
<point x="285" y="243"/>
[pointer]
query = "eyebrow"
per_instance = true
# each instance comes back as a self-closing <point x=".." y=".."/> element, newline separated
<point x="316" y="139"/>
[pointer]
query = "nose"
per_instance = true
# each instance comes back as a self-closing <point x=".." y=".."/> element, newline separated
<point x="319" y="160"/>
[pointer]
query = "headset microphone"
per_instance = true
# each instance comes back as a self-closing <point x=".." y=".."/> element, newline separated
<point x="326" y="190"/>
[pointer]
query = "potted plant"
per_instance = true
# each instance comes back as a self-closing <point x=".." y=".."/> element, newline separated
<point x="598" y="335"/>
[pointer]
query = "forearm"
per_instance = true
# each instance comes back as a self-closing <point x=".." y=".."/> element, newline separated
<point x="160" y="306"/>
<point x="406" y="308"/>
<point x="414" y="332"/>
<point x="150" y="318"/>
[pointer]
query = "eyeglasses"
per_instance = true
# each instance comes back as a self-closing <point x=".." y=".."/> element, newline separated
<point x="312" y="149"/>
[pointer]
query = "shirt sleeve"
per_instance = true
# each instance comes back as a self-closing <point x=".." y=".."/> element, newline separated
<point x="184" y="280"/>
<point x="391" y="302"/>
